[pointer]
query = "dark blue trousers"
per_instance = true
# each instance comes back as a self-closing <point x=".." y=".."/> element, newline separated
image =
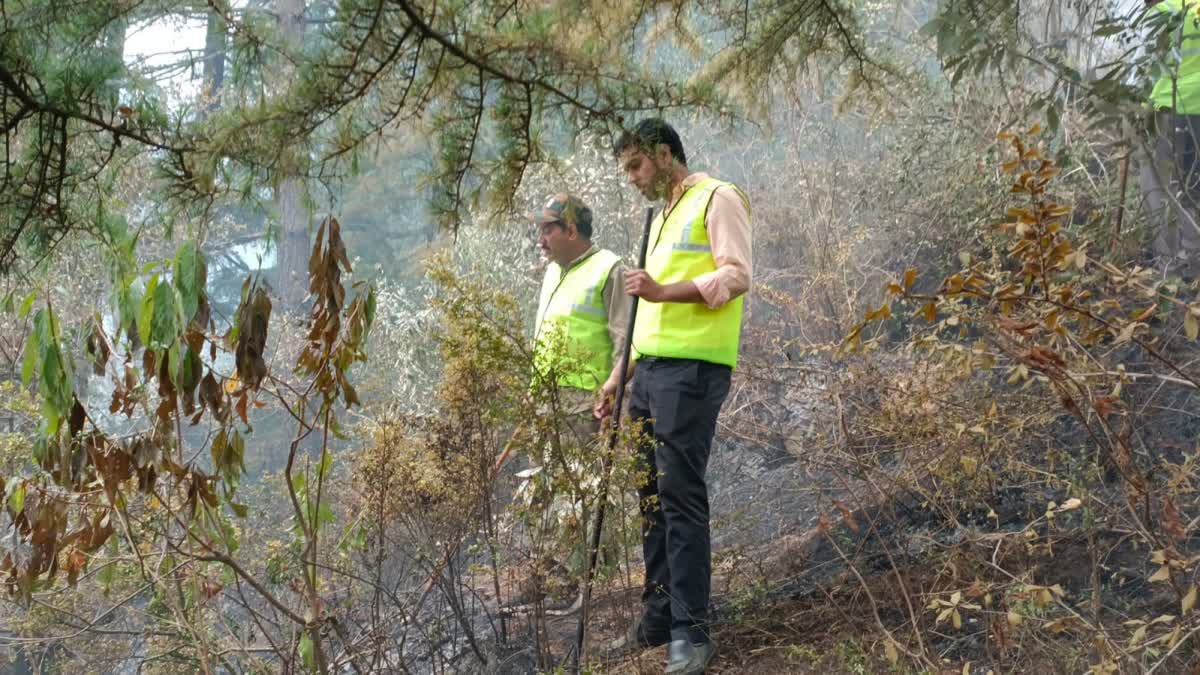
<point x="677" y="402"/>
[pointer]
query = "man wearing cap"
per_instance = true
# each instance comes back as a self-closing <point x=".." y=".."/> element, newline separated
<point x="578" y="336"/>
<point x="685" y="345"/>
<point x="582" y="302"/>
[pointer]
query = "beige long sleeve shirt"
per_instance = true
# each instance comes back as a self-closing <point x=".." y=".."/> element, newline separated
<point x="729" y="235"/>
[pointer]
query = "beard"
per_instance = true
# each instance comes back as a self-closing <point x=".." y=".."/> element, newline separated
<point x="656" y="188"/>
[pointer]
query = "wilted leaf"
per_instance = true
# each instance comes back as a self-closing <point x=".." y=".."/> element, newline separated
<point x="969" y="465"/>
<point x="847" y="516"/>
<point x="1060" y="625"/>
<point x="1189" y="600"/>
<point x="254" y="317"/>
<point x="930" y="310"/>
<point x="1014" y="619"/>
<point x="889" y="651"/>
<point x="75" y="563"/>
<point x="1163" y="574"/>
<point x="1174" y="639"/>
<point x="97" y="348"/>
<point x="211" y="396"/>
<point x="1171" y="520"/>
<point x="1126" y="333"/>
<point x="1138" y="636"/>
<point x="884" y="312"/>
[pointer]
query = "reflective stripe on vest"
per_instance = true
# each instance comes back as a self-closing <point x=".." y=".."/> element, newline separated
<point x="1178" y="88"/>
<point x="680" y="251"/>
<point x="571" y="332"/>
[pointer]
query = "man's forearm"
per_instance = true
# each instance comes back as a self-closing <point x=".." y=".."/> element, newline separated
<point x="682" y="292"/>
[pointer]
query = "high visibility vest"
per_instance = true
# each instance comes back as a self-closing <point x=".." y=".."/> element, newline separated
<point x="680" y="251"/>
<point x="571" y="332"/>
<point x="1178" y="88"/>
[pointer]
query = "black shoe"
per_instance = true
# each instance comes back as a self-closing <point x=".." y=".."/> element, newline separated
<point x="687" y="658"/>
<point x="637" y="638"/>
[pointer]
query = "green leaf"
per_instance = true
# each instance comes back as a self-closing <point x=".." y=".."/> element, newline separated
<point x="188" y="278"/>
<point x="239" y="510"/>
<point x="306" y="651"/>
<point x="173" y="365"/>
<point x="336" y="430"/>
<point x="324" y="515"/>
<point x="237" y="455"/>
<point x="108" y="572"/>
<point x="16" y="497"/>
<point x="145" y="317"/>
<point x="128" y="299"/>
<point x="326" y="465"/>
<point x="29" y="365"/>
<point x="50" y="419"/>
<point x="354" y="538"/>
<point x="27" y="304"/>
<point x="190" y="371"/>
<point x="298" y="484"/>
<point x="163" y="327"/>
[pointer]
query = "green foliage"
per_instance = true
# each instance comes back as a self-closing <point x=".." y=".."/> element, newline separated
<point x="85" y="495"/>
<point x="46" y="358"/>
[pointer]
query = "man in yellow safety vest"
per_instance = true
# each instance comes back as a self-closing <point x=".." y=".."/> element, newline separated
<point x="582" y="307"/>
<point x="685" y="345"/>
<point x="579" y="334"/>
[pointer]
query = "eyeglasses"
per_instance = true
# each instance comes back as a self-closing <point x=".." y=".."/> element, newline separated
<point x="544" y="228"/>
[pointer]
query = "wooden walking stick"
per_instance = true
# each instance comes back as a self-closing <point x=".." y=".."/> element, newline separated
<point x="594" y="549"/>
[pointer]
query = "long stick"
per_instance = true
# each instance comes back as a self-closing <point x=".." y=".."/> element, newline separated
<point x="594" y="550"/>
<point x="1116" y="238"/>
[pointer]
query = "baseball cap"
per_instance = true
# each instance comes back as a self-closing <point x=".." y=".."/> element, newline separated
<point x="564" y="208"/>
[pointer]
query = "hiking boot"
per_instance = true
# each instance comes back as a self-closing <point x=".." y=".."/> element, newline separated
<point x="637" y="638"/>
<point x="687" y="658"/>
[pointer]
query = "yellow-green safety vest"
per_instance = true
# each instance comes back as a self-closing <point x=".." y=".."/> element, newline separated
<point x="680" y="251"/>
<point x="571" y="331"/>
<point x="1178" y="89"/>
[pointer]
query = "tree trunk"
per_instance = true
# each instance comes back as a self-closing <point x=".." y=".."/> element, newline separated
<point x="214" y="61"/>
<point x="294" y="217"/>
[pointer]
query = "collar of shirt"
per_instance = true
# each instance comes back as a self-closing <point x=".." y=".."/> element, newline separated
<point x="689" y="181"/>
<point x="590" y="250"/>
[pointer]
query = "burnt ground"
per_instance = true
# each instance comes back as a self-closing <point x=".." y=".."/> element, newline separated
<point x="787" y="601"/>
